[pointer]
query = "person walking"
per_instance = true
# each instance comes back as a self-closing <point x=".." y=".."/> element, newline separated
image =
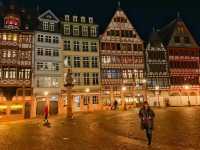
<point x="146" y="114"/>
<point x="115" y="104"/>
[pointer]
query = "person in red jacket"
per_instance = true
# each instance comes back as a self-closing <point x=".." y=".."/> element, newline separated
<point x="46" y="113"/>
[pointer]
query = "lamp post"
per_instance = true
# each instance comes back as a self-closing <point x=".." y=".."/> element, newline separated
<point x="69" y="85"/>
<point x="157" y="90"/>
<point x="187" y="87"/>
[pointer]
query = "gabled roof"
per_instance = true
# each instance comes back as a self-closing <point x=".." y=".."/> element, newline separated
<point x="166" y="32"/>
<point x="48" y="13"/>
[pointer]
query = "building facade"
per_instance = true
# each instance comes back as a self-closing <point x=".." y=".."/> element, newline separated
<point x="122" y="62"/>
<point x="81" y="55"/>
<point x="157" y="68"/>
<point x="47" y="63"/>
<point x="16" y="43"/>
<point x="183" y="56"/>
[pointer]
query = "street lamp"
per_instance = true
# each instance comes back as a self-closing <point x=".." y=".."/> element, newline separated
<point x="187" y="87"/>
<point x="157" y="90"/>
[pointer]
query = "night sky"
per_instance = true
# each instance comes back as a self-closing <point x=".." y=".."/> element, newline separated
<point x="144" y="14"/>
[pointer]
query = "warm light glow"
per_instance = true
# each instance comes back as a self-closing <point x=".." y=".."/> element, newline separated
<point x="144" y="81"/>
<point x="46" y="93"/>
<point x="186" y="87"/>
<point x="107" y="92"/>
<point x="87" y="90"/>
<point x="3" y="106"/>
<point x="16" y="106"/>
<point x="123" y="88"/>
<point x="14" y="37"/>
<point x="157" y="87"/>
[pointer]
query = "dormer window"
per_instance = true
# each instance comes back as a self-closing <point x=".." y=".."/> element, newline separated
<point x="67" y="18"/>
<point x="45" y="25"/>
<point x="75" y="18"/>
<point x="83" y="19"/>
<point x="91" y="20"/>
<point x="52" y="26"/>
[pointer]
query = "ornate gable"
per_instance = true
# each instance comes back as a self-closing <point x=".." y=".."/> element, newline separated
<point x="120" y="26"/>
<point x="48" y="16"/>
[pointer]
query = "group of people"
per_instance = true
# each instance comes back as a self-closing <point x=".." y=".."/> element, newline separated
<point x="146" y="115"/>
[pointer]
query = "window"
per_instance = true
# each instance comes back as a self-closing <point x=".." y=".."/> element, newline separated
<point x="47" y="52"/>
<point x="83" y="19"/>
<point x="86" y="100"/>
<point x="77" y="62"/>
<point x="67" y="45"/>
<point x="91" y="20"/>
<point x="1" y="73"/>
<point x="12" y="73"/>
<point x="86" y="78"/>
<point x="55" y="39"/>
<point x="85" y="46"/>
<point x="94" y="62"/>
<point x="55" y="53"/>
<point x="77" y="77"/>
<point x="86" y="62"/>
<point x="106" y="59"/>
<point x="45" y="26"/>
<point x="27" y="74"/>
<point x="177" y="39"/>
<point x="39" y="66"/>
<point x="95" y="79"/>
<point x="84" y="31"/>
<point x="55" y="67"/>
<point x="67" y="29"/>
<point x="52" y="26"/>
<point x="48" y="39"/>
<point x="93" y="31"/>
<point x="95" y="100"/>
<point x="48" y="82"/>
<point x="76" y="46"/>
<point x="40" y="51"/>
<point x="94" y="47"/>
<point x="67" y="18"/>
<point x="186" y="40"/>
<point x="76" y="31"/>
<point x="75" y="18"/>
<point x="67" y="61"/>
<point x="40" y="38"/>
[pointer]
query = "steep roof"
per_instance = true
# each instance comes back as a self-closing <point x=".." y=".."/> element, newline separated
<point x="155" y="39"/>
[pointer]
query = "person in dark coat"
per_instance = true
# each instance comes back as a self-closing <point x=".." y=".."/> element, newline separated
<point x="115" y="104"/>
<point x="147" y="115"/>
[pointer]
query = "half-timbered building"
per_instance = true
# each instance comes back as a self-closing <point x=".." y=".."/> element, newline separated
<point x="122" y="62"/>
<point x="16" y="43"/>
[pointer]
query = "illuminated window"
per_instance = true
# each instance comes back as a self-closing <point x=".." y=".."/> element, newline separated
<point x="14" y="37"/>
<point x="4" y="37"/>
<point x="75" y="18"/>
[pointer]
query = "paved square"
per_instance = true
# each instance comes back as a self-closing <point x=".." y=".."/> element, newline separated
<point x="175" y="128"/>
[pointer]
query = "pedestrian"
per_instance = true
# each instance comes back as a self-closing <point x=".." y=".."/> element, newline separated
<point x="46" y="113"/>
<point x="147" y="115"/>
<point x="115" y="104"/>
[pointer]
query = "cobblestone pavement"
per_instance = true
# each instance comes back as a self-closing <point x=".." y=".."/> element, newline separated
<point x="175" y="129"/>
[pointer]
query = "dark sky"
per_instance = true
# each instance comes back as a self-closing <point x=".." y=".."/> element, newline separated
<point x="144" y="14"/>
